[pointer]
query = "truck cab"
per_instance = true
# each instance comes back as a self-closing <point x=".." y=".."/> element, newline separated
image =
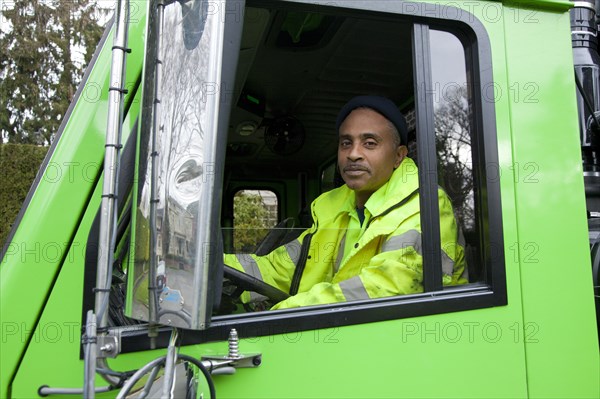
<point x="225" y="136"/>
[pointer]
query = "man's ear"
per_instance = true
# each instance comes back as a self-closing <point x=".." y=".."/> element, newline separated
<point x="401" y="153"/>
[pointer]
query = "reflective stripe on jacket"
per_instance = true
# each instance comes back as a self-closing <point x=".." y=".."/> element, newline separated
<point x="386" y="259"/>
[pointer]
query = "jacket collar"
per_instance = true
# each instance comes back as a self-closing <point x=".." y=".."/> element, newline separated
<point x="403" y="182"/>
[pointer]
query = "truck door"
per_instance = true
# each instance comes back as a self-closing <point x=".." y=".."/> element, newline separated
<point x="303" y="60"/>
<point x="226" y="76"/>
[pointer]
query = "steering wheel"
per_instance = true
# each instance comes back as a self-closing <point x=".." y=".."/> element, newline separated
<point x="250" y="283"/>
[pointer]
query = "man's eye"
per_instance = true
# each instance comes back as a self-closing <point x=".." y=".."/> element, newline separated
<point x="370" y="144"/>
<point x="345" y="143"/>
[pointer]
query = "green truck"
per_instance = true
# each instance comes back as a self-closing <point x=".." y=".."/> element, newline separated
<point x="208" y="127"/>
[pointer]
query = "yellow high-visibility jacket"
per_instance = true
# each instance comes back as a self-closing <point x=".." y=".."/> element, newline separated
<point x="348" y="261"/>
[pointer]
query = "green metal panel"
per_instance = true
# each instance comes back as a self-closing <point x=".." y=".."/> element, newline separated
<point x="52" y="356"/>
<point x="557" y="5"/>
<point x="46" y="232"/>
<point x="552" y="231"/>
<point x="412" y="358"/>
<point x="542" y="344"/>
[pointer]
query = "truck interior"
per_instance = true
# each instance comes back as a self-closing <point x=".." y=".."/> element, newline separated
<point x="296" y="69"/>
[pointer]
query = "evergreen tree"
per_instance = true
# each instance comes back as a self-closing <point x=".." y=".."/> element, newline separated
<point x="250" y="221"/>
<point x="44" y="47"/>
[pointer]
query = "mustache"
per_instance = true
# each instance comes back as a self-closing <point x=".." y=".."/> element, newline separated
<point x="354" y="167"/>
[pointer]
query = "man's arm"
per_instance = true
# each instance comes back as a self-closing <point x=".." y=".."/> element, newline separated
<point x="275" y="268"/>
<point x="387" y="274"/>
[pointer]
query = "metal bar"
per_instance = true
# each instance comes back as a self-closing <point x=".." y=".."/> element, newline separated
<point x="154" y="197"/>
<point x="47" y="391"/>
<point x="427" y="160"/>
<point x="90" y="356"/>
<point x="111" y="165"/>
<point x="170" y="365"/>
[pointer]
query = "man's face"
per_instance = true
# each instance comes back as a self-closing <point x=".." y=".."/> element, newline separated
<point x="367" y="152"/>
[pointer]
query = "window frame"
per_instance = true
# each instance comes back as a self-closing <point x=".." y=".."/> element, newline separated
<point x="436" y="299"/>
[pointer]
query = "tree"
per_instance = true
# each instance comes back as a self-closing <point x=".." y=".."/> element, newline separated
<point x="250" y="221"/>
<point x="19" y="164"/>
<point x="44" y="46"/>
<point x="453" y="145"/>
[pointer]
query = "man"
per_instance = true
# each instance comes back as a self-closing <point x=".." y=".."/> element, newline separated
<point x="365" y="239"/>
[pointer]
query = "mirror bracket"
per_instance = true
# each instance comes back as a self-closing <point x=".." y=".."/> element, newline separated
<point x="108" y="345"/>
<point x="233" y="358"/>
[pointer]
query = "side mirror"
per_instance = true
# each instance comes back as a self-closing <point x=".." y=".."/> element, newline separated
<point x="176" y="258"/>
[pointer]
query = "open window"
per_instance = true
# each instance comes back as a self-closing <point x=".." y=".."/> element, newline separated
<point x="290" y="68"/>
<point x="301" y="63"/>
<point x="255" y="212"/>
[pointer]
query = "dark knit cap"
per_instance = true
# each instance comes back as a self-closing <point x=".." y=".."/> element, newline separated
<point x="382" y="105"/>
